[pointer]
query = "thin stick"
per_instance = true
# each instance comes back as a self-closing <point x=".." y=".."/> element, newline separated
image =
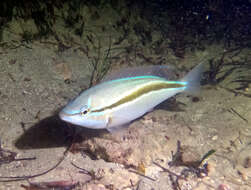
<point x="138" y="173"/>
<point x="21" y="159"/>
<point x="232" y="110"/>
<point x="21" y="178"/>
<point x="169" y="171"/>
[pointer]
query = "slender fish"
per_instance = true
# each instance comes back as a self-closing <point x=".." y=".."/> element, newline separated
<point x="125" y="97"/>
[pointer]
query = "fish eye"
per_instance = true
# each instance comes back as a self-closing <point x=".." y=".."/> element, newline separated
<point x="84" y="110"/>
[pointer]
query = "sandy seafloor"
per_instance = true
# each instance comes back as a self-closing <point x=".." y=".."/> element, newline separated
<point x="33" y="89"/>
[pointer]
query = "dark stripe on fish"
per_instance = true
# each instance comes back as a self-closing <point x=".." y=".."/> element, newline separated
<point x="139" y="92"/>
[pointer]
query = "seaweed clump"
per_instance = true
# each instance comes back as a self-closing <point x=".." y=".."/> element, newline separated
<point x="194" y="24"/>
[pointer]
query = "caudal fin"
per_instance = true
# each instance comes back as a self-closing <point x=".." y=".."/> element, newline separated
<point x="193" y="79"/>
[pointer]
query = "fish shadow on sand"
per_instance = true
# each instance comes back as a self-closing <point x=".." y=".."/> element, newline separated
<point x="51" y="132"/>
<point x="171" y="104"/>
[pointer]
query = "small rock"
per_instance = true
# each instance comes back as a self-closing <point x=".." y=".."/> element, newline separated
<point x="64" y="71"/>
<point x="215" y="137"/>
<point x="223" y="187"/>
<point x="243" y="173"/>
<point x="138" y="144"/>
<point x="247" y="162"/>
<point x="94" y="187"/>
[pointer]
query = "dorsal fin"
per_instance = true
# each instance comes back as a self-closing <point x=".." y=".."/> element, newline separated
<point x="164" y="71"/>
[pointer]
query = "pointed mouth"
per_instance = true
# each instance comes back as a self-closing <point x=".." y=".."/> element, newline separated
<point x="75" y="119"/>
<point x="64" y="116"/>
<point x="69" y="118"/>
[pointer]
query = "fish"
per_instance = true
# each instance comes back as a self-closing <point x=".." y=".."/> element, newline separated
<point x="126" y="96"/>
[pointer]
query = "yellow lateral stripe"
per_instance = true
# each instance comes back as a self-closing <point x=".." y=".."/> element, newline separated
<point x="139" y="92"/>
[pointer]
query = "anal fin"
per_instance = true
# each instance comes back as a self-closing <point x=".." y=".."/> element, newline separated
<point x="118" y="128"/>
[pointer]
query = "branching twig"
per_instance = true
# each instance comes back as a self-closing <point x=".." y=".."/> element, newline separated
<point x="100" y="65"/>
<point x="26" y="177"/>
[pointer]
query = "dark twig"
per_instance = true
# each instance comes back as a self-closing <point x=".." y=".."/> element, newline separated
<point x="21" y="159"/>
<point x="236" y="92"/>
<point x="7" y="156"/>
<point x="100" y="65"/>
<point x="20" y="178"/>
<point x="131" y="186"/>
<point x="169" y="171"/>
<point x="90" y="173"/>
<point x="26" y="177"/>
<point x="176" y="156"/>
<point x="138" y="173"/>
<point x="175" y="181"/>
<point x="216" y="67"/>
<point x="198" y="168"/>
<point x="232" y="110"/>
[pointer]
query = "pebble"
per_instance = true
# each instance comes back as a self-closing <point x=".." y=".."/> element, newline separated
<point x="223" y="187"/>
<point x="215" y="137"/>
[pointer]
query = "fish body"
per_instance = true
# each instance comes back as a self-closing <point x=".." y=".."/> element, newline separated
<point x="117" y="102"/>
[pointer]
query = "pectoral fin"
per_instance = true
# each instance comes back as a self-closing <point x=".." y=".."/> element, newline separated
<point x="108" y="121"/>
<point x="114" y="129"/>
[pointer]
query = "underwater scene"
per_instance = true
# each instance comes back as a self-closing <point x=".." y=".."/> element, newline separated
<point x="125" y="95"/>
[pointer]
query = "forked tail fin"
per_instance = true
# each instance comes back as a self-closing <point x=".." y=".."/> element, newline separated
<point x="193" y="79"/>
